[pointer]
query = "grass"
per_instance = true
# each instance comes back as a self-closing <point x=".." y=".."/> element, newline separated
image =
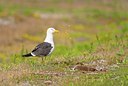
<point x="90" y="34"/>
<point x="65" y="56"/>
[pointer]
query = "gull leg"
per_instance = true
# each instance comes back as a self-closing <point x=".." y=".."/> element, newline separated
<point x="43" y="59"/>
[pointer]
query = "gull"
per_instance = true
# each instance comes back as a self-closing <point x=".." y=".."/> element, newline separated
<point x="46" y="48"/>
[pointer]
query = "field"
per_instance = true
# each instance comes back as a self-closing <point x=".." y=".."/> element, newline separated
<point x="90" y="48"/>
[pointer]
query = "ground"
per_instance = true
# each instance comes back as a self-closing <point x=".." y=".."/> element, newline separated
<point x="90" y="49"/>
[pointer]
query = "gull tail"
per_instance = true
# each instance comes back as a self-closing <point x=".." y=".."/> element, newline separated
<point x="27" y="55"/>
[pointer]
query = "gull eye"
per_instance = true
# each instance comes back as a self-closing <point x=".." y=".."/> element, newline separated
<point x="52" y="29"/>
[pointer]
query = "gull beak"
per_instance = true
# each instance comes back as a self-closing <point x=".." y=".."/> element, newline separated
<point x="56" y="31"/>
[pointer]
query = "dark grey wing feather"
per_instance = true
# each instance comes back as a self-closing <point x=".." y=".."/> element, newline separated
<point x="42" y="49"/>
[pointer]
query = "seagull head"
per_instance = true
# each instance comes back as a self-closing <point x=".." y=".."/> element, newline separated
<point x="49" y="36"/>
<point x="52" y="30"/>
